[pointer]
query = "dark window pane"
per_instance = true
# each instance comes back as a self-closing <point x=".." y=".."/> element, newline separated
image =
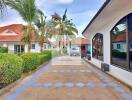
<point x="15" y="48"/>
<point x="119" y="44"/>
<point x="33" y="46"/>
<point x="97" y="46"/>
<point x="130" y="38"/>
<point x="22" y="48"/>
<point x="19" y="48"/>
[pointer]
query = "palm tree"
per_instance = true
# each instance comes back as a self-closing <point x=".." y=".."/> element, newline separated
<point x="66" y="27"/>
<point x="28" y="11"/>
<point x="2" y="5"/>
<point x="44" y="34"/>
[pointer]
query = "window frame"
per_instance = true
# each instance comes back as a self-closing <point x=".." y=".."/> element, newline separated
<point x="129" y="69"/>
<point x="19" y="46"/>
<point x="96" y="35"/>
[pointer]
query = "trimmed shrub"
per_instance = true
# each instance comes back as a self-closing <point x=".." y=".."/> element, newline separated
<point x="44" y="58"/>
<point x="10" y="68"/>
<point x="30" y="61"/>
<point x="3" y="50"/>
<point x="51" y="53"/>
<point x="56" y="53"/>
<point x="116" y="53"/>
<point x="48" y="54"/>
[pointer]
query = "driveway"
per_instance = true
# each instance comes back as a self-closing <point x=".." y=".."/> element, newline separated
<point x="68" y="78"/>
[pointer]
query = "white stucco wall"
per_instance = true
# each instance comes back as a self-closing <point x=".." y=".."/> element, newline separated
<point x="105" y="21"/>
<point x="37" y="47"/>
<point x="10" y="48"/>
<point x="46" y="46"/>
<point x="123" y="46"/>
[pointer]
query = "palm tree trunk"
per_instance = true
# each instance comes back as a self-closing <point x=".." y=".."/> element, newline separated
<point x="41" y="48"/>
<point x="29" y="48"/>
<point x="30" y="37"/>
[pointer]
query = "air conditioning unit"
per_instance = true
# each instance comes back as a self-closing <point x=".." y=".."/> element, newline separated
<point x="105" y="67"/>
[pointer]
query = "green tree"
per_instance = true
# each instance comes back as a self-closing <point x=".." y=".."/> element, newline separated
<point x="43" y="33"/>
<point x="27" y="9"/>
<point x="65" y="27"/>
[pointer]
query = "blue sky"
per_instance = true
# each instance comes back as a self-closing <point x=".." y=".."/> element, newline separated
<point x="81" y="11"/>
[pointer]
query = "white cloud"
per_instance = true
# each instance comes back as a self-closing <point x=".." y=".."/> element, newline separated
<point x="17" y="20"/>
<point x="65" y="1"/>
<point x="53" y="2"/>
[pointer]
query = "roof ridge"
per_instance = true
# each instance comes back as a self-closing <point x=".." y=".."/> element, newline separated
<point x="11" y="25"/>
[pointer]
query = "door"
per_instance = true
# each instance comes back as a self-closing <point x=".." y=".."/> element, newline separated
<point x="19" y="48"/>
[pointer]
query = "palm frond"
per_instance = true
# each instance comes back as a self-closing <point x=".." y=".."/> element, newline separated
<point x="2" y="6"/>
<point x="26" y="8"/>
<point x="65" y="15"/>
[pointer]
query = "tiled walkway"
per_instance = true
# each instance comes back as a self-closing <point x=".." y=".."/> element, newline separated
<point x="68" y="79"/>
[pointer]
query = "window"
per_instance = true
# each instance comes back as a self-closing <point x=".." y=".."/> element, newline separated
<point x="33" y="46"/>
<point x="8" y="32"/>
<point x="130" y="46"/>
<point x="121" y="35"/>
<point x="129" y="17"/>
<point x="118" y="46"/>
<point x="19" y="48"/>
<point x="44" y="46"/>
<point x="97" y="46"/>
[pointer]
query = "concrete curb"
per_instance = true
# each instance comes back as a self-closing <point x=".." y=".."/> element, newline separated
<point x="130" y="87"/>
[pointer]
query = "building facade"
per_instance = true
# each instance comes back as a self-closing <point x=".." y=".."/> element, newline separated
<point x="11" y="37"/>
<point x="110" y="32"/>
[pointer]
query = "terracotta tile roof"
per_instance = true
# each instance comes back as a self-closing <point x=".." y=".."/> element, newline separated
<point x="119" y="38"/>
<point x="80" y="41"/>
<point x="17" y="29"/>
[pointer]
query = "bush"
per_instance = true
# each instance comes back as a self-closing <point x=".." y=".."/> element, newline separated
<point x="3" y="50"/>
<point x="116" y="53"/>
<point x="51" y="53"/>
<point x="30" y="61"/>
<point x="33" y="60"/>
<point x="48" y="54"/>
<point x="10" y="68"/>
<point x="44" y="58"/>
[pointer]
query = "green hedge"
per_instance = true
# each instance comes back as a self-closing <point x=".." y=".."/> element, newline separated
<point x="47" y="52"/>
<point x="31" y="61"/>
<point x="3" y="50"/>
<point x="10" y="68"/>
<point x="118" y="54"/>
<point x="52" y="53"/>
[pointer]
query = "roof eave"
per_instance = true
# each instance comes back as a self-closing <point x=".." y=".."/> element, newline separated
<point x="100" y="10"/>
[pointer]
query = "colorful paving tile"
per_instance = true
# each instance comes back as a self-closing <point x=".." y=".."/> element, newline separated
<point x="103" y="84"/>
<point x="68" y="71"/>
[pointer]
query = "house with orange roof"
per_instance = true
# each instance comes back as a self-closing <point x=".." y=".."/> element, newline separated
<point x="11" y="37"/>
<point x="118" y="42"/>
<point x="80" y="43"/>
